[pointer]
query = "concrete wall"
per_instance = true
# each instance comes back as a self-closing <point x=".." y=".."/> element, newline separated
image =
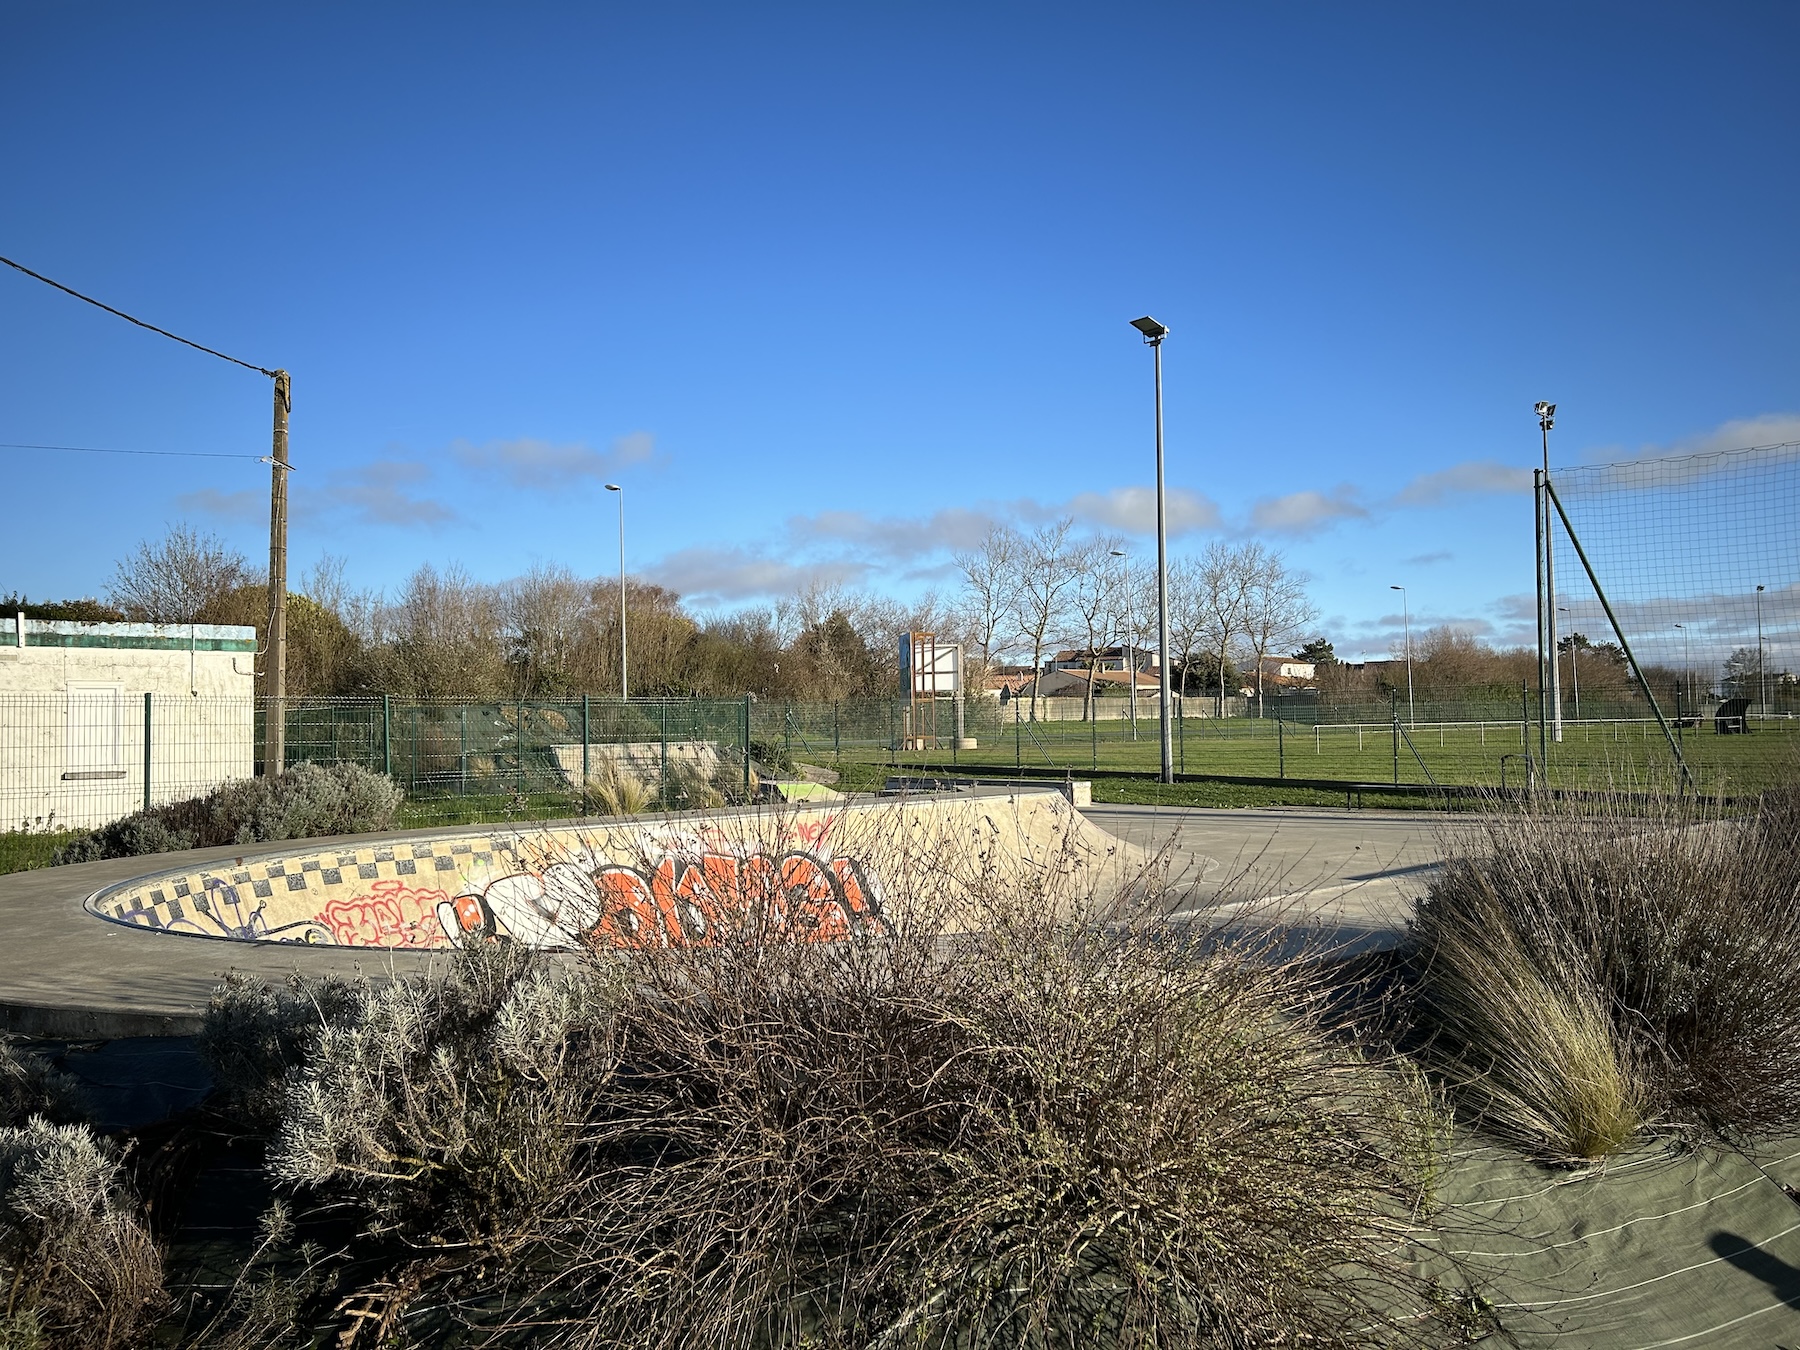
<point x="72" y="721"/>
<point x="809" y="873"/>
<point x="1112" y="708"/>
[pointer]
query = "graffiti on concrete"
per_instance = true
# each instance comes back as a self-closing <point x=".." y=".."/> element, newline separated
<point x="392" y="914"/>
<point x="678" y="899"/>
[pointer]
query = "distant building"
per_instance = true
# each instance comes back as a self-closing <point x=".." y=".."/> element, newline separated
<point x="78" y="700"/>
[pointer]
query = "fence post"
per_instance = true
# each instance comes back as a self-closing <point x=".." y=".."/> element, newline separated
<point x="1181" y="728"/>
<point x="147" y="697"/>
<point x="746" y="747"/>
<point x="662" y="721"/>
<point x="1018" y="736"/>
<point x="387" y="734"/>
<point x="584" y="743"/>
<point x="1280" y="745"/>
<point x="837" y="731"/>
<point x="462" y="758"/>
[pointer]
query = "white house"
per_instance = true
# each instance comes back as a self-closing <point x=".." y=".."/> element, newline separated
<point x="99" y="719"/>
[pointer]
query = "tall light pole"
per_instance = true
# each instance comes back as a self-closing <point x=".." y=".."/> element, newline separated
<point x="1130" y="641"/>
<point x="1575" y="670"/>
<point x="624" y="682"/>
<point x="1762" y="679"/>
<point x="1546" y="415"/>
<point x="1687" y="665"/>
<point x="1406" y="613"/>
<point x="1154" y="333"/>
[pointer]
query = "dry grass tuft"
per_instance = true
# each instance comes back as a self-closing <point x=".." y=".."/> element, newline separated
<point x="1586" y="971"/>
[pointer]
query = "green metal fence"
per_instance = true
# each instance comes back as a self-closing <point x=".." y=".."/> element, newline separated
<point x="81" y="759"/>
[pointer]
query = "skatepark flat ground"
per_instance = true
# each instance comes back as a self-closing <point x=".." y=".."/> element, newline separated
<point x="1354" y="874"/>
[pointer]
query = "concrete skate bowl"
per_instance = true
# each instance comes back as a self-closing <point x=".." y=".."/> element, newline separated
<point x="810" y="873"/>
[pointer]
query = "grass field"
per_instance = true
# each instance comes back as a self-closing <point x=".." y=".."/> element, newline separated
<point x="1591" y="754"/>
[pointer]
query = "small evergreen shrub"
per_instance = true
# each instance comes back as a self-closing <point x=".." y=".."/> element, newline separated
<point x="81" y="1270"/>
<point x="31" y="1085"/>
<point x="307" y="802"/>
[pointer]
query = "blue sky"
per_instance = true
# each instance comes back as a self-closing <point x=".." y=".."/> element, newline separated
<point x="830" y="287"/>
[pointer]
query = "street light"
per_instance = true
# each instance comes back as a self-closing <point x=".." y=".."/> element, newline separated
<point x="1762" y="679"/>
<point x="1154" y="333"/>
<point x="624" y="683"/>
<point x="1406" y="612"/>
<point x="1130" y="641"/>
<point x="1687" y="662"/>
<point x="1546" y="415"/>
<point x="1575" y="670"/>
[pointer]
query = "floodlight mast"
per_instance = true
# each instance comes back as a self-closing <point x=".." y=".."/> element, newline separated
<point x="1546" y="414"/>
<point x="1154" y="333"/>
<point x="1762" y="679"/>
<point x="1406" y="613"/>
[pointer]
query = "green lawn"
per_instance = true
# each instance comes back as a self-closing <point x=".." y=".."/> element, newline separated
<point x="1590" y="755"/>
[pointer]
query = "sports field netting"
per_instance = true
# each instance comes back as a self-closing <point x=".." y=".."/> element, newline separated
<point x="1691" y="552"/>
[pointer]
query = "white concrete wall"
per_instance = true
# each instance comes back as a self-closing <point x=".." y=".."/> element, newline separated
<point x="72" y="717"/>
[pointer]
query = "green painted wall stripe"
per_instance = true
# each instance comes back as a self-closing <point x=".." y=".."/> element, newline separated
<point x="8" y="638"/>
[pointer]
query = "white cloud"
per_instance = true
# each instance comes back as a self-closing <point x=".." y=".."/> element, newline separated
<point x="894" y="536"/>
<point x="1428" y="559"/>
<point x="1475" y="475"/>
<point x="1133" y="509"/>
<point x="541" y="466"/>
<point x="384" y="492"/>
<point x="707" y="575"/>
<point x="381" y="493"/>
<point x="1304" y="512"/>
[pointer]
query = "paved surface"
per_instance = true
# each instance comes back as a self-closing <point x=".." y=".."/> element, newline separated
<point x="1351" y="876"/>
<point x="65" y="974"/>
<point x="68" y="975"/>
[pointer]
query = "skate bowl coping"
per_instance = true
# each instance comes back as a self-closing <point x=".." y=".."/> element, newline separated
<point x="818" y="872"/>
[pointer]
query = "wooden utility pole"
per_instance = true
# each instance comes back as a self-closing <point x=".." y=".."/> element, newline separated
<point x="275" y="659"/>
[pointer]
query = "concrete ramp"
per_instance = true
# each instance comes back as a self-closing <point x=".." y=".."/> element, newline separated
<point x="817" y="873"/>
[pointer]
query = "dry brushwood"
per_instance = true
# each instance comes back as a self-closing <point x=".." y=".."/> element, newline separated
<point x="1068" y="1130"/>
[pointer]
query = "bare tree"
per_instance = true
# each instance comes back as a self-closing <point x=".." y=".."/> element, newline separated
<point x="175" y="578"/>
<point x="1094" y="603"/>
<point x="990" y="573"/>
<point x="441" y="637"/>
<point x="1187" y="616"/>
<point x="1224" y="583"/>
<point x="1276" y="606"/>
<point x="1046" y="572"/>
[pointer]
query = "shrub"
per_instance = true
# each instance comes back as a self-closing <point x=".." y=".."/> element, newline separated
<point x="1061" y="1132"/>
<point x="306" y="802"/>
<point x="81" y="1269"/>
<point x="1582" y="964"/>
<point x="31" y="1085"/>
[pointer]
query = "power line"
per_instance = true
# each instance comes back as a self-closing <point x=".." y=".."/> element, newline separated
<point x="99" y="450"/>
<point x="69" y="290"/>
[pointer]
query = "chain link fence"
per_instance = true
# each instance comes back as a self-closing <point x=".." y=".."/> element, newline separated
<point x="78" y="760"/>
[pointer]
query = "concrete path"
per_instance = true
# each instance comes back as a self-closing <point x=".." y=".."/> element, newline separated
<point x="1351" y="875"/>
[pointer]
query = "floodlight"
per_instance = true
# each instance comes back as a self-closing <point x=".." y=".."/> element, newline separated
<point x="1150" y="328"/>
